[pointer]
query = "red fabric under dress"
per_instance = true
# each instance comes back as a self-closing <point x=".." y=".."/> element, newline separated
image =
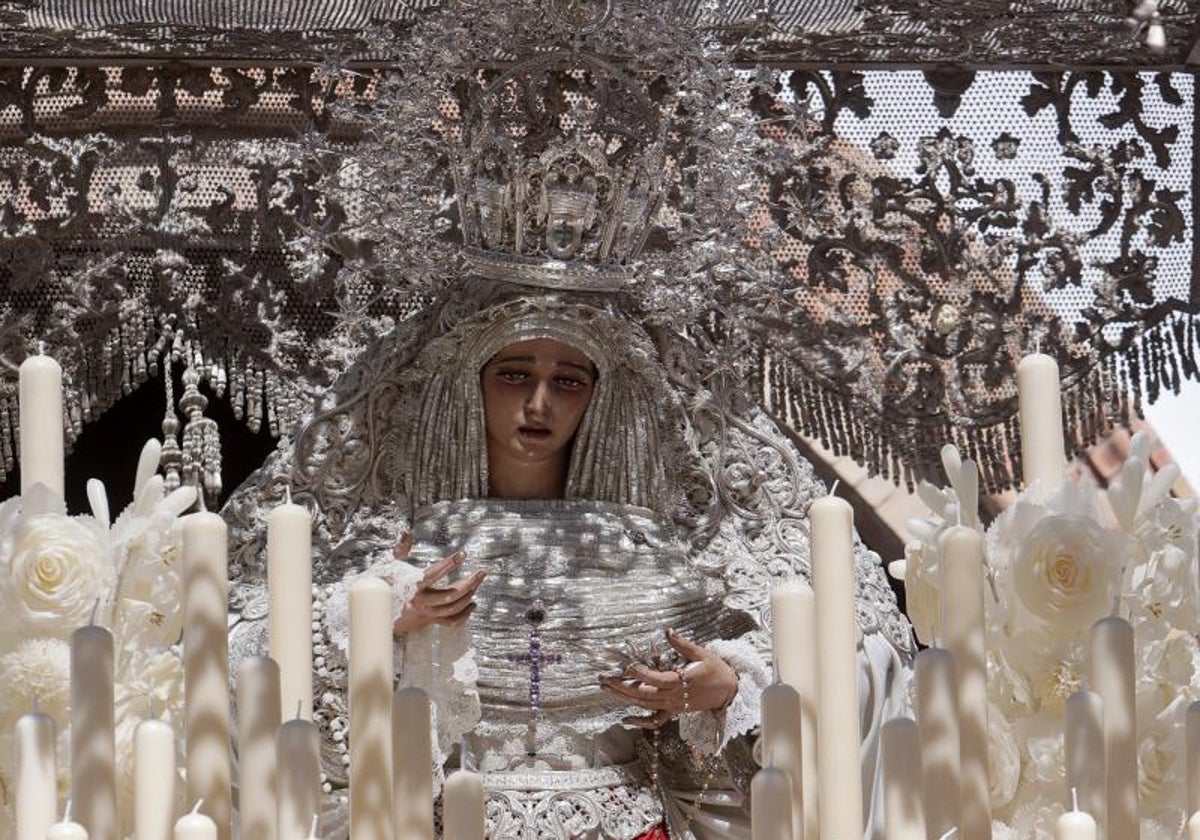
<point x="658" y="833"/>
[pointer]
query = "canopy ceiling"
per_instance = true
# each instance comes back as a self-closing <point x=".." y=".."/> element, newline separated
<point x="1057" y="33"/>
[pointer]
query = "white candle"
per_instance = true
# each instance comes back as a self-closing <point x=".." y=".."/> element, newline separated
<point x="370" y="710"/>
<point x="1112" y="663"/>
<point x="1193" y="826"/>
<point x="1192" y="728"/>
<point x="413" y="754"/>
<point x="1083" y="745"/>
<point x="1043" y="458"/>
<point x="299" y="750"/>
<point x="258" y="724"/>
<point x="93" y="745"/>
<point x="289" y="581"/>
<point x="41" y="417"/>
<point x="794" y="642"/>
<point x="961" y="572"/>
<point x="206" y="666"/>
<point x="67" y="830"/>
<point x="37" y="780"/>
<point x="781" y="744"/>
<point x="195" y="826"/>
<point x="463" y="806"/>
<point x="941" y="745"/>
<point x="1075" y="825"/>
<point x="771" y="815"/>
<point x="831" y="524"/>
<point x="153" y="780"/>
<point x="904" y="816"/>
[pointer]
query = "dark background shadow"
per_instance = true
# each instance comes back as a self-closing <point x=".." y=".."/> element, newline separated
<point x="108" y="447"/>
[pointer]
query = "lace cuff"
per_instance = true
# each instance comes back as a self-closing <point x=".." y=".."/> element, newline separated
<point x="404" y="580"/>
<point x="709" y="732"/>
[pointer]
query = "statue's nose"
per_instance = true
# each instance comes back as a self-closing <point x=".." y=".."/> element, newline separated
<point x="539" y="401"/>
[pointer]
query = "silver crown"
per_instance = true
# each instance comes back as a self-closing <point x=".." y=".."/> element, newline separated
<point x="560" y="173"/>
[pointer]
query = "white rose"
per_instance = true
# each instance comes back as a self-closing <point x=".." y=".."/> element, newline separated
<point x="1035" y="817"/>
<point x="1155" y="830"/>
<point x="1066" y="571"/>
<point x="1009" y="530"/>
<point x="58" y="568"/>
<point x="1160" y="768"/>
<point x="37" y="667"/>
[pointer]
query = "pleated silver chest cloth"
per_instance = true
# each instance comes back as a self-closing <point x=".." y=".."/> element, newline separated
<point x="574" y="589"/>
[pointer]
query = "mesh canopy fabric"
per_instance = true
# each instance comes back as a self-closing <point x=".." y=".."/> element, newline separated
<point x="941" y="237"/>
<point x="914" y="233"/>
<point x="1058" y="33"/>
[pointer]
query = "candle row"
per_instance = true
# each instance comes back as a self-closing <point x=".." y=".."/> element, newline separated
<point x="391" y="752"/>
<point x="279" y="761"/>
<point x="810" y="717"/>
<point x="935" y="775"/>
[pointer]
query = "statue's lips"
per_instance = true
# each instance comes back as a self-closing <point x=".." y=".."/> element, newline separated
<point x="534" y="433"/>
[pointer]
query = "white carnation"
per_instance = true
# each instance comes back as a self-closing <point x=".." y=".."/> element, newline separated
<point x="36" y="668"/>
<point x="1052" y="669"/>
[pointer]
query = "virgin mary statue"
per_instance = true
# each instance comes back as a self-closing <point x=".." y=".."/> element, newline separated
<point x="581" y="523"/>
<point x="579" y="509"/>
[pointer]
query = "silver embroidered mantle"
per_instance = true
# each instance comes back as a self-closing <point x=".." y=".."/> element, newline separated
<point x="685" y="505"/>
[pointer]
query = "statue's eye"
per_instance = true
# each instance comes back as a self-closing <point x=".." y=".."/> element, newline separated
<point x="571" y="383"/>
<point x="513" y="376"/>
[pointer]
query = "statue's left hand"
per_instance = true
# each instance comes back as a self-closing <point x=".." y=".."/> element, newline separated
<point x="705" y="682"/>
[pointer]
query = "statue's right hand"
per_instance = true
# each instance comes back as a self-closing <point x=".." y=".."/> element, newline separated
<point x="434" y="604"/>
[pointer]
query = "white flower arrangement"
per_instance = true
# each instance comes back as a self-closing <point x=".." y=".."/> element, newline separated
<point x="57" y="573"/>
<point x="1056" y="563"/>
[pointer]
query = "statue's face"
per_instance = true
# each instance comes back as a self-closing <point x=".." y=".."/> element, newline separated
<point x="534" y="395"/>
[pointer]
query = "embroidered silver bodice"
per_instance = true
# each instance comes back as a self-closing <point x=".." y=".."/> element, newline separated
<point x="590" y="583"/>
